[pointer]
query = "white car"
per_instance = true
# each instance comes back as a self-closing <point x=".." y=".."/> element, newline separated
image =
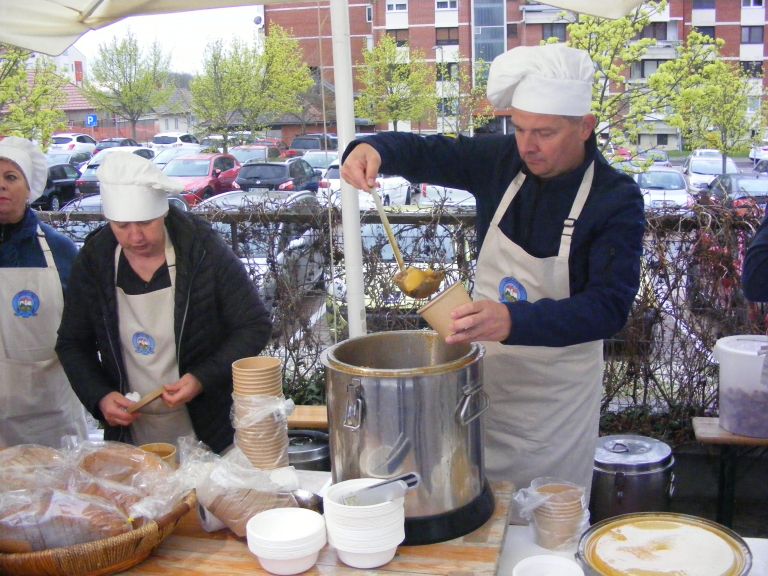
<point x="162" y="157"/>
<point x="701" y="170"/>
<point x="393" y="190"/>
<point x="72" y="142"/>
<point x="664" y="190"/>
<point x="759" y="151"/>
<point x="164" y="140"/>
<point x="433" y="195"/>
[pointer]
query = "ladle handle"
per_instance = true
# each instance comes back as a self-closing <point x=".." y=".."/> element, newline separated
<point x="388" y="229"/>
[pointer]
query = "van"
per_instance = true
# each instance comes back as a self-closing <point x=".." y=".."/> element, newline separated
<point x="306" y="142"/>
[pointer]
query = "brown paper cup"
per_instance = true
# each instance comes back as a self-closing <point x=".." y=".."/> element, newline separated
<point x="166" y="451"/>
<point x="437" y="312"/>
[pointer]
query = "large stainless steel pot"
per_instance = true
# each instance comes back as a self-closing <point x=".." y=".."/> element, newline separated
<point x="405" y="401"/>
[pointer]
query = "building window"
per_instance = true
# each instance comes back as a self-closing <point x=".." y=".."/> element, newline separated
<point x="176" y="122"/>
<point x="703" y="4"/>
<point x="645" y="68"/>
<point x="752" y="3"/>
<point x="662" y="139"/>
<point x="400" y="36"/>
<point x="751" y="34"/>
<point x="446" y="107"/>
<point x="511" y="30"/>
<point x="706" y="31"/>
<point x="401" y="6"/>
<point x="447" y="71"/>
<point x="554" y="31"/>
<point x="446" y="36"/>
<point x="657" y="30"/>
<point x="446" y="4"/>
<point x="754" y="69"/>
<point x="369" y="13"/>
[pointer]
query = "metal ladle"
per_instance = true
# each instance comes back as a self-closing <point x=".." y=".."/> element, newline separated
<point x="412" y="282"/>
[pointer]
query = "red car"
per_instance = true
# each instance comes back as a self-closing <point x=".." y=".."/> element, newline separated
<point x="204" y="175"/>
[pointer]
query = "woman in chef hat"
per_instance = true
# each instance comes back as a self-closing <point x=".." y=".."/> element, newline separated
<point x="157" y="299"/>
<point x="38" y="405"/>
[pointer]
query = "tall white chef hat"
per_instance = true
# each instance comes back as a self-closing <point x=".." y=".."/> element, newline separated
<point x="133" y="189"/>
<point x="30" y="159"/>
<point x="548" y="79"/>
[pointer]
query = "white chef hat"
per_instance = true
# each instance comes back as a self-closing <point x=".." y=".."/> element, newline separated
<point x="28" y="157"/>
<point x="133" y="189"/>
<point x="548" y="79"/>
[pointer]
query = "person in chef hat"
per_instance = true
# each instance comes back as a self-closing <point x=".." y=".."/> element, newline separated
<point x="560" y="235"/>
<point x="157" y="299"/>
<point x="35" y="262"/>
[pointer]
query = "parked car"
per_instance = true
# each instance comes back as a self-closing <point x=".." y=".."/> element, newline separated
<point x="664" y="190"/>
<point x="281" y="257"/>
<point x="706" y="153"/>
<point x="204" y="175"/>
<point x="759" y="151"/>
<point x="167" y="154"/>
<point x="112" y="142"/>
<point x="269" y="141"/>
<point x="76" y="159"/>
<point x="393" y="190"/>
<point x="72" y="142"/>
<point x="653" y="156"/>
<point x="304" y="142"/>
<point x="88" y="183"/>
<point x="173" y="140"/>
<point x="287" y="176"/>
<point x="213" y="142"/>
<point x="320" y="159"/>
<point x="743" y="192"/>
<point x="257" y="152"/>
<point x="91" y="204"/>
<point x="60" y="187"/>
<point x="432" y="195"/>
<point x="701" y="170"/>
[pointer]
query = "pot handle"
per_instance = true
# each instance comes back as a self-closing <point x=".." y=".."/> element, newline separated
<point x="354" y="414"/>
<point x="465" y="405"/>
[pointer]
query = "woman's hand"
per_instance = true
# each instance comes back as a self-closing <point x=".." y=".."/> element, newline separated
<point x="114" y="407"/>
<point x="181" y="391"/>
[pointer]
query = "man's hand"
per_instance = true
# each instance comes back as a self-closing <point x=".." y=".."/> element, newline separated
<point x="361" y="167"/>
<point x="114" y="407"/>
<point x="181" y="391"/>
<point x="479" y="321"/>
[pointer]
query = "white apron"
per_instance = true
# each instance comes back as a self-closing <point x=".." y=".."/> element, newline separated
<point x="544" y="413"/>
<point x="148" y="343"/>
<point x="37" y="404"/>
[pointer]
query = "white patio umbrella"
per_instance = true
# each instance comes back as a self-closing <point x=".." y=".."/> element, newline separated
<point x="51" y="26"/>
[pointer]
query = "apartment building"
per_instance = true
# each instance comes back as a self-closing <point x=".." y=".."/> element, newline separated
<point x="456" y="32"/>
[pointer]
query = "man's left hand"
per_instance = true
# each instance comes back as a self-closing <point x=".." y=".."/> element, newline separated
<point x="480" y="321"/>
<point x="182" y="391"/>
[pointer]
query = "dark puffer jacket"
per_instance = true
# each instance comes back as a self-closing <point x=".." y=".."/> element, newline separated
<point x="218" y="318"/>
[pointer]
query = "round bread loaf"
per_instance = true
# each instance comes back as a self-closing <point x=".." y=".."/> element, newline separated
<point x="30" y="455"/>
<point x="124" y="464"/>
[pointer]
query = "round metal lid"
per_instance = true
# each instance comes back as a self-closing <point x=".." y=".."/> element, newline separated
<point x="307" y="446"/>
<point x="622" y="452"/>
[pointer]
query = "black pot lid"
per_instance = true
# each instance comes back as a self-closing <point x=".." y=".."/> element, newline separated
<point x="633" y="453"/>
<point x="307" y="446"/>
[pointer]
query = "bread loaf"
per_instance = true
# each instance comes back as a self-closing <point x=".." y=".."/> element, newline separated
<point x="32" y="520"/>
<point x="30" y="455"/>
<point x="124" y="464"/>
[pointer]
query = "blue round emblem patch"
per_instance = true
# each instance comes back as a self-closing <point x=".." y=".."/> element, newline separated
<point x="510" y="290"/>
<point x="143" y="343"/>
<point x="25" y="304"/>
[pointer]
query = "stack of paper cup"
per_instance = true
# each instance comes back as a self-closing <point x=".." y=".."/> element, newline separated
<point x="364" y="536"/>
<point x="558" y="521"/>
<point x="261" y="428"/>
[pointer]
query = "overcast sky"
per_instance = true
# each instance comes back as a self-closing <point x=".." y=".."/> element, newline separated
<point x="184" y="35"/>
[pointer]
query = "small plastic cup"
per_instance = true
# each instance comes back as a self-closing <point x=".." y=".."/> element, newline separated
<point x="547" y="564"/>
<point x="437" y="312"/>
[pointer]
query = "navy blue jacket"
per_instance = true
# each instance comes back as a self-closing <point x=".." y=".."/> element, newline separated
<point x="754" y="278"/>
<point x="22" y="250"/>
<point x="607" y="241"/>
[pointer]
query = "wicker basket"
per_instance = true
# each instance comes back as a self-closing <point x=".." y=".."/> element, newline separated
<point x="106" y="556"/>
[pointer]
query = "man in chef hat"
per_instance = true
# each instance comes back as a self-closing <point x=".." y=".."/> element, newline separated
<point x="157" y="299"/>
<point x="560" y="235"/>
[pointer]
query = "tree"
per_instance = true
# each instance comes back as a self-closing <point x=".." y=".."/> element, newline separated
<point x="463" y="105"/>
<point x="396" y="85"/>
<point x="30" y="100"/>
<point x="128" y="83"/>
<point x="241" y="86"/>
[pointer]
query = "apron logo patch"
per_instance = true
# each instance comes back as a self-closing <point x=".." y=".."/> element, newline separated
<point x="510" y="290"/>
<point x="25" y="304"/>
<point x="143" y="343"/>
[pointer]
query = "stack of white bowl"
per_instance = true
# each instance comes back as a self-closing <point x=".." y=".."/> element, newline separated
<point x="261" y="427"/>
<point x="286" y="540"/>
<point x="364" y="536"/>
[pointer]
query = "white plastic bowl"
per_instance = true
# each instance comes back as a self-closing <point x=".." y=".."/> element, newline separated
<point x="332" y="502"/>
<point x="286" y="567"/>
<point x="286" y="540"/>
<point x="365" y="560"/>
<point x="544" y="564"/>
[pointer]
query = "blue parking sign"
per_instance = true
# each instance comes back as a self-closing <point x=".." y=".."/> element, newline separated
<point x="91" y="120"/>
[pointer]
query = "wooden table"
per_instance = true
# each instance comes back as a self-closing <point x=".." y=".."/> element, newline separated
<point x="311" y="417"/>
<point x="191" y="551"/>
<point x="708" y="431"/>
